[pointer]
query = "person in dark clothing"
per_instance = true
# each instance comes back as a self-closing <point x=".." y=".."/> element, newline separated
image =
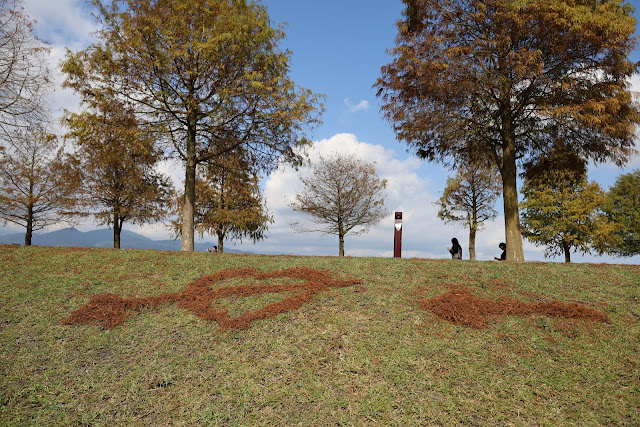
<point x="455" y="250"/>
<point x="503" y="257"/>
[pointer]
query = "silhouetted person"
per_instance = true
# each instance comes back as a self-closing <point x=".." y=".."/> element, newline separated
<point x="503" y="257"/>
<point x="455" y="250"/>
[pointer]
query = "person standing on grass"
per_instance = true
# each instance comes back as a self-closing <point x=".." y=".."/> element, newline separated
<point x="503" y="257"/>
<point x="455" y="250"/>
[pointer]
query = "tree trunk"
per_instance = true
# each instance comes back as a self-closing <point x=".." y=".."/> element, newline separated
<point x="117" y="226"/>
<point x="508" y="168"/>
<point x="187" y="242"/>
<point x="116" y="236"/>
<point x="567" y="251"/>
<point x="29" y="234"/>
<point x="220" y="242"/>
<point x="341" y="247"/>
<point x="510" y="200"/>
<point x="472" y="243"/>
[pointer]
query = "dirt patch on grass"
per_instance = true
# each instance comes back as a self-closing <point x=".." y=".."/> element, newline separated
<point x="109" y="310"/>
<point x="462" y="307"/>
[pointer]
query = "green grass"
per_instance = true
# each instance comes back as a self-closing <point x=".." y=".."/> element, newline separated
<point x="361" y="355"/>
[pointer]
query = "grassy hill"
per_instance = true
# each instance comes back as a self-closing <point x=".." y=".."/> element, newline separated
<point x="365" y="353"/>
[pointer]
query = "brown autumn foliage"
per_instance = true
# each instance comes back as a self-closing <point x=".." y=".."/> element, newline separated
<point x="33" y="191"/>
<point x="113" y="167"/>
<point x="24" y="75"/>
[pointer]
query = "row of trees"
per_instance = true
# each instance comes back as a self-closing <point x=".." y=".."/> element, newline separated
<point x="560" y="210"/>
<point x="490" y="82"/>
<point x="564" y="212"/>
<point x="112" y="177"/>
<point x="204" y="82"/>
<point x="200" y="81"/>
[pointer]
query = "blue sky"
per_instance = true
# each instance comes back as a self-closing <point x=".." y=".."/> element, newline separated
<point x="338" y="48"/>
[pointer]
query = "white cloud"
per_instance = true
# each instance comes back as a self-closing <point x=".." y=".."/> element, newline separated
<point x="361" y="106"/>
<point x="60" y="99"/>
<point x="62" y="22"/>
<point x="174" y="169"/>
<point x="635" y="83"/>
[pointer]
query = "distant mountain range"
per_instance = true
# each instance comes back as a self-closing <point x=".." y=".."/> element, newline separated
<point x="102" y="238"/>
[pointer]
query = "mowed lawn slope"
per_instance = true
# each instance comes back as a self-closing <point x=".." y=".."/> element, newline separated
<point x="358" y="355"/>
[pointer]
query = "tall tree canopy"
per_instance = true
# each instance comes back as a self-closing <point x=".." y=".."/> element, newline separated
<point x="24" y="76"/>
<point x="33" y="193"/>
<point x="623" y="207"/>
<point x="501" y="80"/>
<point x="209" y="73"/>
<point x="113" y="168"/>
<point x="342" y="194"/>
<point x="469" y="198"/>
<point x="229" y="203"/>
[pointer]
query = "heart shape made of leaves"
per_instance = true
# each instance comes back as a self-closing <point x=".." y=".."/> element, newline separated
<point x="109" y="310"/>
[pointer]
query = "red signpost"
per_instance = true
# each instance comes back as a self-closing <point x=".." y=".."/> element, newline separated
<point x="397" y="236"/>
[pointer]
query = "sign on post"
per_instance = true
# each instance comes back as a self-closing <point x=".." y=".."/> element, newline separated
<point x="397" y="236"/>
